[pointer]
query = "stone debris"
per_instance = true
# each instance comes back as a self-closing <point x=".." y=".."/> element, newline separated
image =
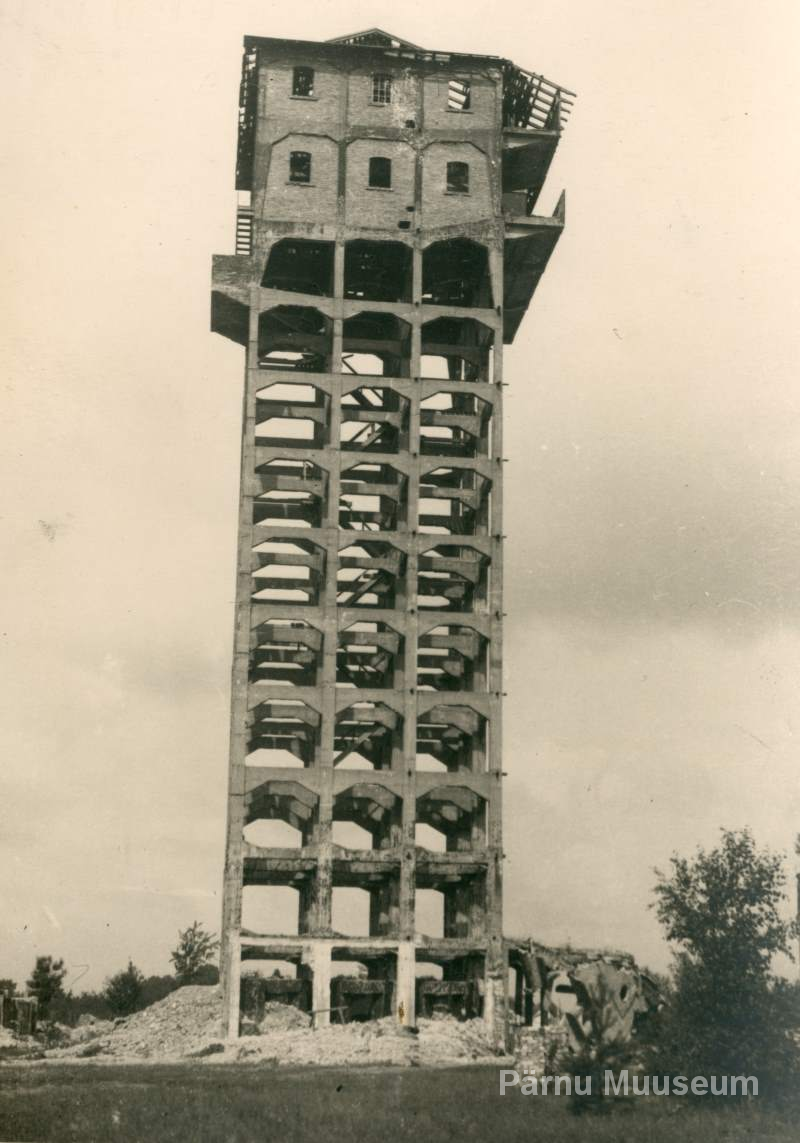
<point x="187" y="1024"/>
<point x="173" y="1027"/>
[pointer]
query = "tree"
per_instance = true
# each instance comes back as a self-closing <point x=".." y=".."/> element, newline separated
<point x="123" y="992"/>
<point x="47" y="982"/>
<point x="7" y="985"/>
<point x="728" y="1014"/>
<point x="194" y="954"/>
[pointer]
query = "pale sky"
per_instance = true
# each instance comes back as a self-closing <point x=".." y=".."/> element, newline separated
<point x="652" y="430"/>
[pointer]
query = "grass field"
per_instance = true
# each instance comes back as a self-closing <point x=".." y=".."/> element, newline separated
<point x="248" y="1103"/>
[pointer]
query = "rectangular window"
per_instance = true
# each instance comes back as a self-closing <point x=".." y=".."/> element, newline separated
<point x="303" y="81"/>
<point x="459" y="95"/>
<point x="300" y="167"/>
<point x="381" y="89"/>
<point x="458" y="178"/>
<point x="380" y="172"/>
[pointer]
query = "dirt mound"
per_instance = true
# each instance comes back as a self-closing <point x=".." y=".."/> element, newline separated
<point x="187" y="1023"/>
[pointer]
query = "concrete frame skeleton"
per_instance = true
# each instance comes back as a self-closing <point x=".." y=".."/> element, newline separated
<point x="369" y="612"/>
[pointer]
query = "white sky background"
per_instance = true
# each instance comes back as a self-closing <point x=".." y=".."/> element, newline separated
<point x="652" y="428"/>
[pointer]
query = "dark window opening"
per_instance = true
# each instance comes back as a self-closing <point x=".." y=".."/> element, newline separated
<point x="381" y="89"/>
<point x="458" y="178"/>
<point x="380" y="172"/>
<point x="303" y="81"/>
<point x="301" y="266"/>
<point x="300" y="167"/>
<point x="459" y="95"/>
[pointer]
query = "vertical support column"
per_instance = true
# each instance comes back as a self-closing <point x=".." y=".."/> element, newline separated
<point x="233" y="989"/>
<point x="330" y="624"/>
<point x="321" y="983"/>
<point x="409" y="785"/>
<point x="405" y="993"/>
<point x="496" y="970"/>
<point x="232" y="885"/>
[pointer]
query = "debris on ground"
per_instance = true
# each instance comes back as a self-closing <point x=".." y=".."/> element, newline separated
<point x="173" y="1027"/>
<point x="187" y="1024"/>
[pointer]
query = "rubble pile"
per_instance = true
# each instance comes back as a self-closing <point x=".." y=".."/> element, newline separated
<point x="186" y="1024"/>
<point x="281" y="1018"/>
<point x="173" y="1027"/>
<point x="443" y="1041"/>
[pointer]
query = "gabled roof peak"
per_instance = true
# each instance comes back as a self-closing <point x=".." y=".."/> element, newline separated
<point x="375" y="38"/>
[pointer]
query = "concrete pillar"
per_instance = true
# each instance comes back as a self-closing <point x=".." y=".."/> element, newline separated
<point x="321" y="984"/>
<point x="233" y="987"/>
<point x="405" y="1008"/>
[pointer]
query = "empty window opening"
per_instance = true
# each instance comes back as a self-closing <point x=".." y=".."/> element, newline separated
<point x="434" y="367"/>
<point x="451" y="578"/>
<point x="367" y="736"/>
<point x="294" y="338"/>
<point x="459" y="95"/>
<point x="352" y="969"/>
<point x="289" y="509"/>
<point x="373" y="420"/>
<point x="429" y="906"/>
<point x="380" y="344"/>
<point x="350" y="911"/>
<point x="289" y="393"/>
<point x="455" y="272"/>
<point x="453" y="738"/>
<point x="377" y="271"/>
<point x="363" y="364"/>
<point x="451" y="658"/>
<point x="424" y="969"/>
<point x="351" y="836"/>
<point x="456" y="812"/>
<point x="366" y="655"/>
<point x="380" y="172"/>
<point x="429" y="838"/>
<point x="355" y="761"/>
<point x="285" y="725"/>
<point x="358" y="994"/>
<point x="290" y="430"/>
<point x="285" y="653"/>
<point x="301" y="266"/>
<point x="303" y="81"/>
<point x="275" y="969"/>
<point x="263" y="756"/>
<point x="427" y="764"/>
<point x="368" y="575"/>
<point x="287" y="572"/>
<point x="457" y="178"/>
<point x="381" y="88"/>
<point x="370" y="498"/>
<point x="273" y="833"/>
<point x="297" y="580"/>
<point x="459" y="349"/>
<point x="271" y="910"/>
<point x="300" y="167"/>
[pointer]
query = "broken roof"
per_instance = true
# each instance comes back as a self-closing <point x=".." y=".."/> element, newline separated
<point x="375" y="38"/>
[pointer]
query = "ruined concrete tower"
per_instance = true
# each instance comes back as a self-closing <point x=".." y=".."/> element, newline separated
<point x="386" y="248"/>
